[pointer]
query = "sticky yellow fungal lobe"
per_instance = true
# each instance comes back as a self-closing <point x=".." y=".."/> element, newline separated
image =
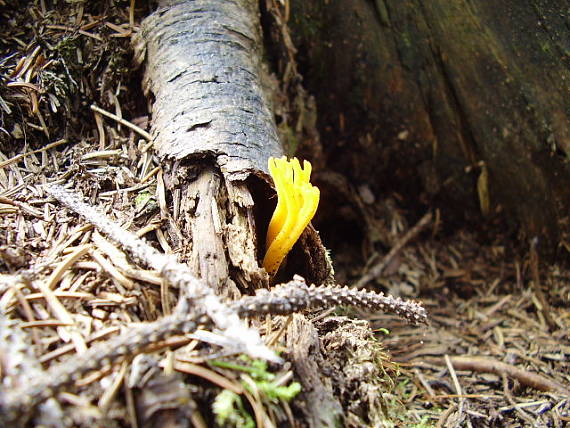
<point x="297" y="202"/>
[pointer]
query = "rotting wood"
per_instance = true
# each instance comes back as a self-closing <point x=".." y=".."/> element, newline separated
<point x="214" y="131"/>
<point x="240" y="238"/>
<point x="201" y="200"/>
<point x="319" y="405"/>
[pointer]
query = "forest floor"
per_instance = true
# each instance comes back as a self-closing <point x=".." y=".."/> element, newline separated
<point x="493" y="355"/>
<point x="496" y="352"/>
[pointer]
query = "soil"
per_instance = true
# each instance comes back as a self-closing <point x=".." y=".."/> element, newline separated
<point x="496" y="352"/>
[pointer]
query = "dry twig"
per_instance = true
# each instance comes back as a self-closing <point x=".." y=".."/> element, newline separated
<point x="198" y="305"/>
<point x="291" y="297"/>
<point x="18" y="404"/>
<point x="489" y="365"/>
<point x="296" y="296"/>
<point x="377" y="270"/>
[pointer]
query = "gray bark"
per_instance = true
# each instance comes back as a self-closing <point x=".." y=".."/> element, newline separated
<point x="212" y="127"/>
<point x="204" y="73"/>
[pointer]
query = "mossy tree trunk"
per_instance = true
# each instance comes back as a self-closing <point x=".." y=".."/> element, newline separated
<point x="464" y="103"/>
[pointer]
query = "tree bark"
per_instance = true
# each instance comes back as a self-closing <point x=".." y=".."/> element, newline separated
<point x="411" y="95"/>
<point x="204" y="71"/>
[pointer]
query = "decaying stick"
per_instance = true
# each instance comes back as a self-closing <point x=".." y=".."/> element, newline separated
<point x="198" y="305"/>
<point x="489" y="365"/>
<point x="295" y="296"/>
<point x="122" y="121"/>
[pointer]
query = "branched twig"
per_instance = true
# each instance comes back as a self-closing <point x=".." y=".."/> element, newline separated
<point x="197" y="306"/>
<point x="287" y="298"/>
<point x="17" y="404"/>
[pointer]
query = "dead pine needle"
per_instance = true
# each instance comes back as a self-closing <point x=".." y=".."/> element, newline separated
<point x="122" y="121"/>
<point x="377" y="270"/>
<point x="243" y="338"/>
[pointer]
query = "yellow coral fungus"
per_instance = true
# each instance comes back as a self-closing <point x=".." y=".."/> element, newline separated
<point x="297" y="202"/>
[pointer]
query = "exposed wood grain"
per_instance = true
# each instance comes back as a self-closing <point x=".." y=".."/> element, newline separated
<point x="321" y="408"/>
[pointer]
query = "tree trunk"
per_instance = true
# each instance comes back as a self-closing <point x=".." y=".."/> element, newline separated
<point x="213" y="128"/>
<point x="464" y="103"/>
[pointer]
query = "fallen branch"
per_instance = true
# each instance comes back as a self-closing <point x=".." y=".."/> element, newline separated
<point x="489" y="365"/>
<point x="296" y="296"/>
<point x="243" y="338"/>
<point x="377" y="270"/>
<point x="198" y="305"/>
<point x="20" y="367"/>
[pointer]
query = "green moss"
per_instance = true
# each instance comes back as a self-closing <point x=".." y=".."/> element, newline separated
<point x="229" y="411"/>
